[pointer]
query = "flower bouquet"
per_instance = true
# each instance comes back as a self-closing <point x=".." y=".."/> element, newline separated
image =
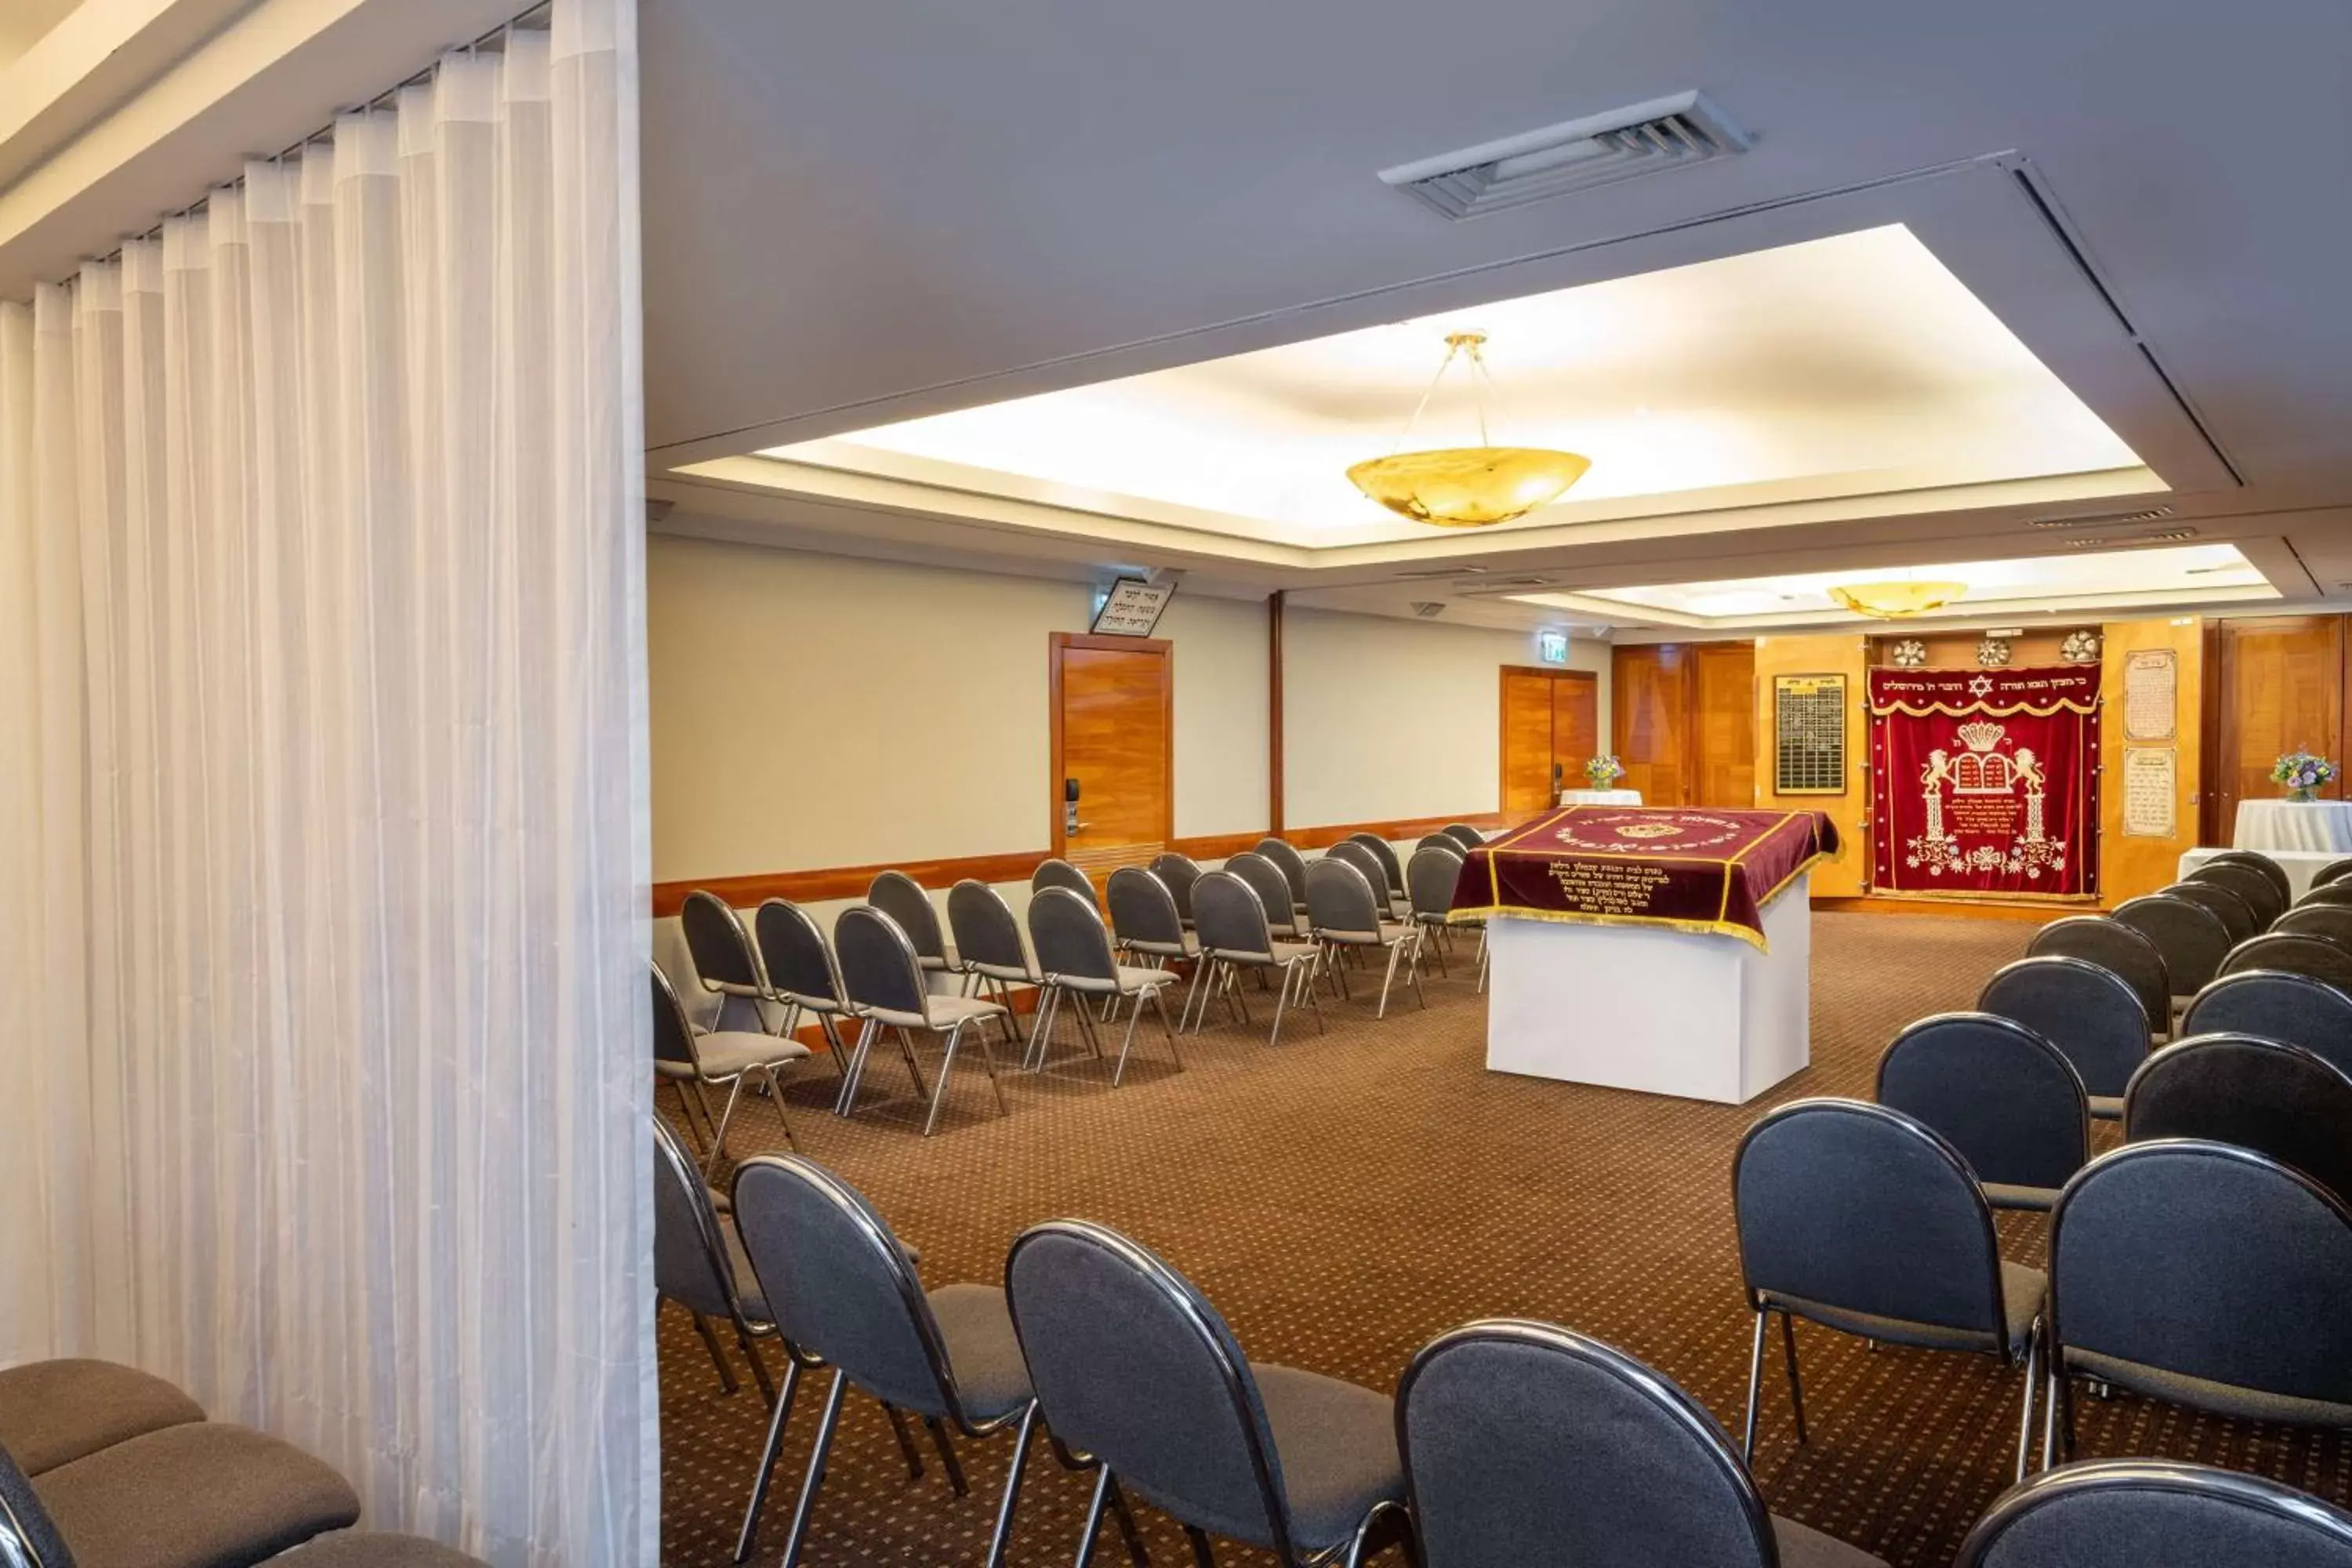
<point x="1602" y="772"/>
<point x="2303" y="774"/>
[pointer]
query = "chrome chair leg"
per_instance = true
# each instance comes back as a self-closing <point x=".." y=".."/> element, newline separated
<point x="907" y="1449"/>
<point x="940" y="1094"/>
<point x="815" y="1477"/>
<point x="727" y="1383"/>
<point x="1127" y="1044"/>
<point x="1159" y="1003"/>
<point x="914" y="1066"/>
<point x="1003" y="1535"/>
<point x="1200" y="966"/>
<point x="1796" y="1388"/>
<point x="1755" y="1388"/>
<point x="947" y="1460"/>
<point x="1092" y="1530"/>
<point x="1041" y="1034"/>
<point x="749" y="1535"/>
<point x="848" y="1099"/>
<point x="1314" y="997"/>
<point x="719" y="1142"/>
<point x="1282" y="1003"/>
<point x="2033" y="1376"/>
<point x="988" y="1064"/>
<point x="1396" y="951"/>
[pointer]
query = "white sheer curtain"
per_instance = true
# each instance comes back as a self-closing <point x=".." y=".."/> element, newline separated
<point x="323" y="860"/>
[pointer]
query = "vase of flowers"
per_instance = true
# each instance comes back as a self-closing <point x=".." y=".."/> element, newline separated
<point x="2303" y="774"/>
<point x="1602" y="772"/>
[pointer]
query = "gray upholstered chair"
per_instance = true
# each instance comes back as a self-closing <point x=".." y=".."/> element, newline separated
<point x="1344" y="911"/>
<point x="213" y="1497"/>
<point x="1392" y="879"/>
<point x="2296" y="953"/>
<point x="1524" y="1443"/>
<point x="685" y="1057"/>
<point x="1862" y="1220"/>
<point x="884" y="982"/>
<point x="1429" y="880"/>
<point x="801" y="972"/>
<point x="2333" y="921"/>
<point x="988" y="939"/>
<point x="2226" y="903"/>
<point x="1144" y="918"/>
<point x="698" y="1262"/>
<point x="2338" y="891"/>
<point x="2156" y="1513"/>
<point x="2257" y="880"/>
<point x="2113" y="946"/>
<point x="2193" y="938"/>
<point x="1273" y="890"/>
<point x="845" y="1292"/>
<point x="1074" y="952"/>
<point x="2254" y="859"/>
<point x="2265" y="1095"/>
<point x="1356" y="853"/>
<point x="1292" y="865"/>
<point x="2335" y="871"/>
<point x="2008" y="1100"/>
<point x="2088" y="1012"/>
<point x="725" y="962"/>
<point x="1134" y="1368"/>
<point x="1177" y="873"/>
<point x="1231" y="920"/>
<point x="2206" y="1276"/>
<point x="55" y="1412"/>
<point x="2276" y="1005"/>
<point x="1056" y="873"/>
<point x="1465" y="835"/>
<point x="1443" y="840"/>
<point x="902" y="898"/>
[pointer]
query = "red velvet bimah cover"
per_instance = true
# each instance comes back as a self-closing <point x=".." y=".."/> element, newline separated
<point x="1692" y="870"/>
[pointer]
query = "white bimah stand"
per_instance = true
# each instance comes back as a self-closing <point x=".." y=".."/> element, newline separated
<point x="1698" y="1014"/>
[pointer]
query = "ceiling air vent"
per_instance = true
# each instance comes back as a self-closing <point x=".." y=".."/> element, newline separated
<point x="1426" y="610"/>
<point x="1598" y="150"/>
<point x="2102" y="518"/>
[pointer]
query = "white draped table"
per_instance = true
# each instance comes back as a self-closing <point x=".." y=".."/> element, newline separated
<point x="2309" y="827"/>
<point x="1601" y="797"/>
<point x="2300" y="866"/>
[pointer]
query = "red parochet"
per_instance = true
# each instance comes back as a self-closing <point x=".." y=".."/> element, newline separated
<point x="1692" y="870"/>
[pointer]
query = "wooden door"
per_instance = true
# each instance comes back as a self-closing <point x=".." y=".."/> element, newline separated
<point x="1723" y="724"/>
<point x="1575" y="725"/>
<point x="1114" y="711"/>
<point x="1650" y="713"/>
<point x="2281" y="689"/>
<point x="1527" y="742"/>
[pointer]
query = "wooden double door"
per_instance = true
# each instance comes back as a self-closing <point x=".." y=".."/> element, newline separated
<point x="1551" y="726"/>
<point x="2279" y="684"/>
<point x="1685" y="717"/>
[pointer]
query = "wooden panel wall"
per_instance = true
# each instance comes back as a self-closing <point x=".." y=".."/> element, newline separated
<point x="1649" y="711"/>
<point x="1723" y="724"/>
<point x="2279" y="686"/>
<point x="2129" y="864"/>
<point x="1845" y="654"/>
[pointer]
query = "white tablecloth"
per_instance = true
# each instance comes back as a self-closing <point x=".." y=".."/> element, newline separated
<point x="2300" y="865"/>
<point x="2314" y="828"/>
<point x="1601" y="797"/>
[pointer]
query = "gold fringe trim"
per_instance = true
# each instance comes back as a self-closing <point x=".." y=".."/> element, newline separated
<point x="1573" y="918"/>
<point x="1931" y="895"/>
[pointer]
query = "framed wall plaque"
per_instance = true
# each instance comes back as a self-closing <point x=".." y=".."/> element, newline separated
<point x="1809" y="734"/>
<point x="2150" y="788"/>
<point x="2151" y="693"/>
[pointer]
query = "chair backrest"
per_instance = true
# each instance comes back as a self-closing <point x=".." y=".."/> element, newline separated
<point x="1431" y="875"/>
<point x="716" y="939"/>
<point x="1289" y="862"/>
<point x="2265" y="1095"/>
<point x="1053" y="873"/>
<point x="878" y="967"/>
<point x="2272" y="872"/>
<point x="2193" y="938"/>
<point x="1142" y="909"/>
<point x="2156" y="1513"/>
<point x="1339" y="898"/>
<point x="28" y="1536"/>
<point x="2263" y="887"/>
<point x="1177" y="873"/>
<point x="1356" y="854"/>
<point x="673" y="1030"/>
<point x="690" y="1263"/>
<point x="902" y="898"/>
<point x="838" y="1282"/>
<point x="1466" y="836"/>
<point x="1385" y="853"/>
<point x="1861" y="1208"/>
<point x="986" y="931"/>
<point x="1228" y="915"/>
<point x="2084" y="1010"/>
<point x="2295" y="952"/>
<point x="799" y="960"/>
<point x="1068" y="937"/>
<point x="1528" y="1444"/>
<point x="2333" y="921"/>
<point x="2113" y="946"/>
<point x="1272" y="888"/>
<point x="1435" y="840"/>
<point x="2008" y="1100"/>
<point x="2226" y="902"/>
<point x="2338" y="891"/>
<point x="2276" y="1005"/>
<point x="2333" y="871"/>
<point x="2209" y="1262"/>
<point x="1133" y="1365"/>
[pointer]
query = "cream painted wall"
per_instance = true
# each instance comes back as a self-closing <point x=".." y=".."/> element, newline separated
<point x="811" y="710"/>
<point x="1386" y="718"/>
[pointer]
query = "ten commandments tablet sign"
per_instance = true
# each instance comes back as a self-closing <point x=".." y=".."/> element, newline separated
<point x="1809" y="734"/>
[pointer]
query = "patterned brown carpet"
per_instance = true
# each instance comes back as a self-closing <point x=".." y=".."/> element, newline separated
<point x="1347" y="1197"/>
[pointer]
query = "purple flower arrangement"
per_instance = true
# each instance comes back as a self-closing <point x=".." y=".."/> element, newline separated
<point x="2303" y="774"/>
<point x="1603" y="771"/>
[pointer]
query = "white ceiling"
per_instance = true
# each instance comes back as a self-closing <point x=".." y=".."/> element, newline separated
<point x="22" y="23"/>
<point x="858" y="216"/>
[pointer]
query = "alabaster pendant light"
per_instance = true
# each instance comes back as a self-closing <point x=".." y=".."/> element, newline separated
<point x="1466" y="487"/>
<point x="1897" y="601"/>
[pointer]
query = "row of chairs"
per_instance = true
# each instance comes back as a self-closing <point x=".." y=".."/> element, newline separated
<point x="1505" y="1441"/>
<point x="2234" y="913"/>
